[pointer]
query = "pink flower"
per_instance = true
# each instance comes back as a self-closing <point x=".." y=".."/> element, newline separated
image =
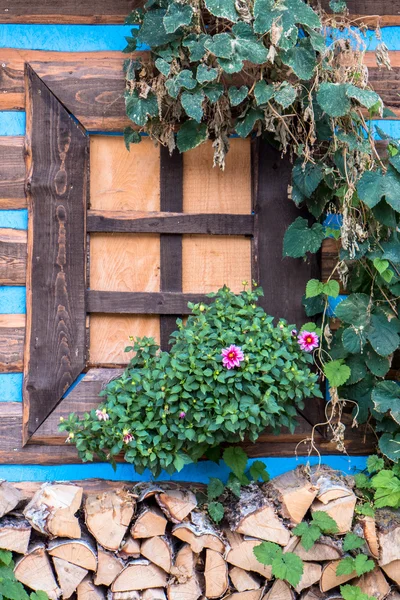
<point x="294" y="332"/>
<point x="182" y="415"/>
<point x="232" y="356"/>
<point x="308" y="340"/>
<point x="127" y="437"/>
<point x="102" y="415"/>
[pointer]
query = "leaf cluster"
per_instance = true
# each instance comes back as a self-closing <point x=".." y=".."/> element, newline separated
<point x="310" y="533"/>
<point x="380" y="486"/>
<point x="285" y="565"/>
<point x="10" y="588"/>
<point x="169" y="408"/>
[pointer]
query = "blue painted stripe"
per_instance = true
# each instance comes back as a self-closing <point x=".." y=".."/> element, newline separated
<point x="389" y="126"/>
<point x="12" y="123"/>
<point x="11" y="387"/>
<point x="15" y="219"/>
<point x="332" y="304"/>
<point x="390" y="37"/>
<point x="201" y="472"/>
<point x="68" y="38"/>
<point x="12" y="300"/>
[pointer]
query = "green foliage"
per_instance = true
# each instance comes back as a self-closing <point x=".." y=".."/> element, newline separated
<point x="353" y="592"/>
<point x="359" y="565"/>
<point x="10" y="588"/>
<point x="337" y="372"/>
<point x="352" y="542"/>
<point x="286" y="566"/>
<point x="168" y="408"/>
<point x="381" y="488"/>
<point x="216" y="511"/>
<point x="258" y="471"/>
<point x="387" y="489"/>
<point x="300" y="238"/>
<point x="310" y="533"/>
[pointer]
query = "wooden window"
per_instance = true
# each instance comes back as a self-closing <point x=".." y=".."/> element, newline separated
<point x="119" y="242"/>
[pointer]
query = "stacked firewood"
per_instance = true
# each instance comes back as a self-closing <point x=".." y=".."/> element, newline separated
<point x="152" y="542"/>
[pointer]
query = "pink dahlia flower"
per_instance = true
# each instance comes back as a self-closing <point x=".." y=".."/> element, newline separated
<point x="128" y="437"/>
<point x="232" y="356"/>
<point x="308" y="340"/>
<point x="102" y="415"/>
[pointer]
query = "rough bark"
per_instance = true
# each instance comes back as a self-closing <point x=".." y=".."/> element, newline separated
<point x="77" y="552"/>
<point x="52" y="510"/>
<point x="388" y="524"/>
<point x="15" y="534"/>
<point x="176" y="504"/>
<point x="199" y="534"/>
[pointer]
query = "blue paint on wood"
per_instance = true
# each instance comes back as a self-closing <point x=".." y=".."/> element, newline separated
<point x="67" y="38"/>
<point x="201" y="472"/>
<point x="12" y="122"/>
<point x="390" y="37"/>
<point x="389" y="127"/>
<point x="12" y="300"/>
<point x="332" y="304"/>
<point x="14" y="219"/>
<point x="11" y="387"/>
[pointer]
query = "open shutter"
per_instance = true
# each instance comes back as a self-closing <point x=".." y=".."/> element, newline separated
<point x="57" y="172"/>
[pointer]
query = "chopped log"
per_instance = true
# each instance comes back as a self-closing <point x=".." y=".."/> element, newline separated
<point x="159" y="550"/>
<point x="88" y="591"/>
<point x="154" y="594"/>
<point x="325" y="549"/>
<point x="241" y="554"/>
<point x="77" y="552"/>
<point x="251" y="595"/>
<point x="388" y="524"/>
<point x="243" y="581"/>
<point x="280" y="590"/>
<point x="394" y="595"/>
<point x="183" y="568"/>
<point x="199" y="536"/>
<point x="10" y="497"/>
<point x="34" y="570"/>
<point x="311" y="574"/>
<point x="176" y="504"/>
<point x="373" y="583"/>
<point x="330" y="580"/>
<point x="190" y="590"/>
<point x="108" y="517"/>
<point x="130" y="548"/>
<point x="123" y="595"/>
<point x="139" y="575"/>
<point x="331" y="486"/>
<point x="145" y="490"/>
<point x="108" y="567"/>
<point x="149" y="523"/>
<point x="14" y="534"/>
<point x="69" y="576"/>
<point x="52" y="510"/>
<point x="314" y="593"/>
<point x="254" y="515"/>
<point x="292" y="493"/>
<point x="341" y="511"/>
<point x="215" y="574"/>
<point x="392" y="570"/>
<point x="370" y="535"/>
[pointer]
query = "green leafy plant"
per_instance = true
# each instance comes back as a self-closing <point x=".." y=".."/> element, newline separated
<point x="10" y="588"/>
<point x="360" y="564"/>
<point x="352" y="592"/>
<point x="379" y="487"/>
<point x="310" y="532"/>
<point x="285" y="565"/>
<point x="169" y="408"/>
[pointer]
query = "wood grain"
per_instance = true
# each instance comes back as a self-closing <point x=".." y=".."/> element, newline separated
<point x="210" y="190"/>
<point x="12" y="257"/>
<point x="171" y="200"/>
<point x="211" y="262"/>
<point x="12" y="172"/>
<point x="91" y="85"/>
<point x="57" y="165"/>
<point x="329" y="257"/>
<point x="101" y="11"/>
<point x="122" y="262"/>
<point x="122" y="180"/>
<point x="12" y="334"/>
<point x="161" y="303"/>
<point x="109" y="336"/>
<point x="164" y="222"/>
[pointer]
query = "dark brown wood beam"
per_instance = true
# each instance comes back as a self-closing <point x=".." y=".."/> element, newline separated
<point x="142" y="303"/>
<point x="12" y="257"/>
<point x="12" y="335"/>
<point x="12" y="172"/>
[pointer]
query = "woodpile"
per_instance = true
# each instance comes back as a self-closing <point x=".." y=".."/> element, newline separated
<point x="153" y="542"/>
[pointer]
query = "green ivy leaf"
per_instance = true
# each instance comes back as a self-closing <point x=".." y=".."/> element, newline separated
<point x="338" y="6"/>
<point x="12" y="590"/>
<point x="191" y="135"/>
<point x="285" y="95"/>
<point x="362" y="481"/>
<point x="366" y="98"/>
<point x="331" y="288"/>
<point x="247" y="45"/>
<point x="382" y="335"/>
<point x="225" y="9"/>
<point x="245" y="126"/>
<point x="258" y="471"/>
<point x="346" y="567"/>
<point x="307" y="177"/>
<point x="309" y="534"/>
<point x="353" y="592"/>
<point x="5" y="557"/>
<point x="288" y="567"/>
<point x="237" y="95"/>
<point x="378" y="365"/>
<point x="386" y="398"/>
<point x="215" y="488"/>
<point x="216" y="511"/>
<point x="152" y="31"/>
<point x="300" y="239"/>
<point x="236" y="459"/>
<point x="39" y="595"/>
<point x="357" y="367"/>
<point x="234" y="485"/>
<point x="220" y="45"/>
<point x="354" y="339"/>
<point x="177" y="15"/>
<point x="140" y="109"/>
<point x="363" y="564"/>
<point x="314" y="288"/>
<point x="337" y="372"/>
<point x="213" y="91"/>
<point x="374" y="186"/>
<point x="389" y="445"/>
<point x="355" y="310"/>
<point x="206" y="74"/>
<point x="333" y="99"/>
<point x="263" y="92"/>
<point x="163" y="66"/>
<point x="387" y="489"/>
<point x="301" y="59"/>
<point x="289" y="13"/>
<point x="352" y="542"/>
<point x="380" y="265"/>
<point x="267" y="552"/>
<point x="192" y="103"/>
<point x="196" y="45"/>
<point x="375" y="464"/>
<point x="324" y="522"/>
<point x="131" y="136"/>
<point x="365" y="509"/>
